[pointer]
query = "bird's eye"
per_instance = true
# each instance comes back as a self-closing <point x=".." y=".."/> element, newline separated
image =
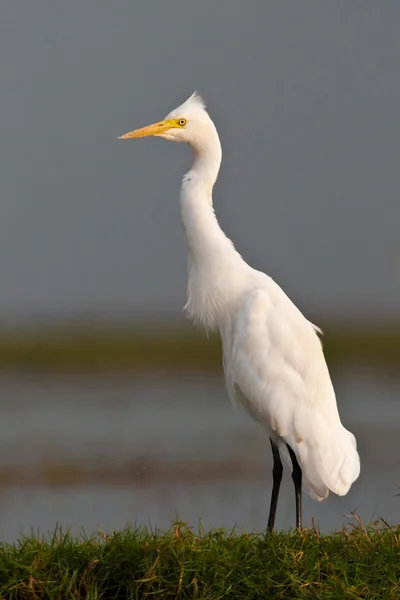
<point x="182" y="122"/>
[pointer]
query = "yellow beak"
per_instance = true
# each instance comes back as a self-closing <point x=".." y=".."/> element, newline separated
<point x="154" y="129"/>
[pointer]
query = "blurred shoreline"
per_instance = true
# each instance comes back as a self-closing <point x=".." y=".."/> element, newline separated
<point x="91" y="346"/>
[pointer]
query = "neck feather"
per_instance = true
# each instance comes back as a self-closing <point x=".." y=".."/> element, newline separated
<point x="211" y="255"/>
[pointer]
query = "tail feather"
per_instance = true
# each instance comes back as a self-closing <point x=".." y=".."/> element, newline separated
<point x="332" y="464"/>
<point x="343" y="468"/>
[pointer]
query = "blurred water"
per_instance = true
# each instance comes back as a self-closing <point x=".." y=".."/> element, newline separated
<point x="97" y="452"/>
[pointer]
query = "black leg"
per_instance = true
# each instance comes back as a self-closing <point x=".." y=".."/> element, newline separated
<point x="277" y="478"/>
<point x="296" y="476"/>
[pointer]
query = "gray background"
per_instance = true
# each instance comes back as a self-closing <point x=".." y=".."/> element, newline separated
<point x="306" y="99"/>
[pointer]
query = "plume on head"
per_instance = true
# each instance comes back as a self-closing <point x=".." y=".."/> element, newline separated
<point x="194" y="104"/>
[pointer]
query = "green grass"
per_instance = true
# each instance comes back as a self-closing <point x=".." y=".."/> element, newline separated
<point x="359" y="563"/>
<point x="132" y="348"/>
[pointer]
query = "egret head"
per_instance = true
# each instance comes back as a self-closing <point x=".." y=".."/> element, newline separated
<point x="188" y="123"/>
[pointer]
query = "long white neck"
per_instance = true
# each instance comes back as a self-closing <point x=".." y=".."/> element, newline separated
<point x="211" y="255"/>
<point x="200" y="224"/>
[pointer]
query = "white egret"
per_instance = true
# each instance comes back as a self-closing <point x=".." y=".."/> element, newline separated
<point x="272" y="357"/>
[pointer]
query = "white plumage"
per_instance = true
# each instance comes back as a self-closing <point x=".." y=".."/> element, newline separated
<point x="273" y="359"/>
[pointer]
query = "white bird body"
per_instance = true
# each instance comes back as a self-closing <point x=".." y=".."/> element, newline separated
<point x="273" y="359"/>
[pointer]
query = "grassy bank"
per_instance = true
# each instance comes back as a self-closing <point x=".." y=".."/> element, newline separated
<point x="98" y="347"/>
<point x="359" y="563"/>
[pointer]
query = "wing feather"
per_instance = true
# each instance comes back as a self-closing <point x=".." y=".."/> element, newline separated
<point x="275" y="368"/>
